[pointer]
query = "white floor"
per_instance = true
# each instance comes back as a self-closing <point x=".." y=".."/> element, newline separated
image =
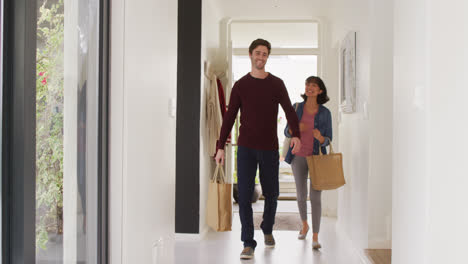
<point x="225" y="247"/>
<point x="283" y="207"/>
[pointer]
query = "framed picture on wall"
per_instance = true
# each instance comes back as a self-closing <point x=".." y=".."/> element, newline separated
<point x="348" y="73"/>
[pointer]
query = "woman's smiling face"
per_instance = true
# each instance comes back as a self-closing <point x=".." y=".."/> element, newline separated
<point x="312" y="89"/>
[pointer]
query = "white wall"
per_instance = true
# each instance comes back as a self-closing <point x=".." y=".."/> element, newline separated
<point x="364" y="211"/>
<point x="380" y="118"/>
<point x="210" y="53"/>
<point x="142" y="134"/>
<point x="353" y="129"/>
<point x="430" y="128"/>
<point x="411" y="142"/>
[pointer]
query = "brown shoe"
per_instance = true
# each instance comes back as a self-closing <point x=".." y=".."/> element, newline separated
<point x="247" y="253"/>
<point x="269" y="241"/>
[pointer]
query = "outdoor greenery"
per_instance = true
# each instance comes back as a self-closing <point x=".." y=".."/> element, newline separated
<point x="49" y="121"/>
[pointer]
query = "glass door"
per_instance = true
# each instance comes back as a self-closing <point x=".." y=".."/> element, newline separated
<point x="53" y="113"/>
<point x="67" y="131"/>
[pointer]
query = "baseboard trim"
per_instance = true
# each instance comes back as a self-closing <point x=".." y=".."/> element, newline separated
<point x="364" y="258"/>
<point x="380" y="244"/>
<point x="359" y="252"/>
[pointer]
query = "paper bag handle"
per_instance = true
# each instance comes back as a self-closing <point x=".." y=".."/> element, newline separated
<point x="330" y="144"/>
<point x="218" y="175"/>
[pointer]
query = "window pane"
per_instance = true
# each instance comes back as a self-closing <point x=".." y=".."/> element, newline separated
<point x="66" y="131"/>
<point x="292" y="69"/>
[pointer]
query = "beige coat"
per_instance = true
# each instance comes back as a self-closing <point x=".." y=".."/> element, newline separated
<point x="213" y="111"/>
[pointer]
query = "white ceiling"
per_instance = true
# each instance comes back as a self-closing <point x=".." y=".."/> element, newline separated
<point x="273" y="9"/>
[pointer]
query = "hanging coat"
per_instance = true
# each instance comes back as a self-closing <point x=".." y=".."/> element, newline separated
<point x="214" y="118"/>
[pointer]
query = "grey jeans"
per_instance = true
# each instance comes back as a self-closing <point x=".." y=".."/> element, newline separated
<point x="301" y="174"/>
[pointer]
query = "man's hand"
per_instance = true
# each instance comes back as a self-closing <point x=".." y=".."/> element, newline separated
<point x="220" y="157"/>
<point x="295" y="144"/>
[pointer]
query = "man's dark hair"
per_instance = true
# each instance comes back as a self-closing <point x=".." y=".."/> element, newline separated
<point x="259" y="42"/>
<point x="321" y="98"/>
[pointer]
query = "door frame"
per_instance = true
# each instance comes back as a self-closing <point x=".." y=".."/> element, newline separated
<point x="18" y="131"/>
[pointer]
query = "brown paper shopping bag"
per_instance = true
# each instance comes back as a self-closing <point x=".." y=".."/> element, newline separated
<point x="219" y="205"/>
<point x="326" y="171"/>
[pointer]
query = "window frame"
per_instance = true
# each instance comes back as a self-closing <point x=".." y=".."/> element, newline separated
<point x="18" y="131"/>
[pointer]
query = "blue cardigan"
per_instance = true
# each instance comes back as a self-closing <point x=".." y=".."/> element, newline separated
<point x="322" y="122"/>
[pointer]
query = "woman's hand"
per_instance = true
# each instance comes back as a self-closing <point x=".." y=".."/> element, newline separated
<point x="318" y="136"/>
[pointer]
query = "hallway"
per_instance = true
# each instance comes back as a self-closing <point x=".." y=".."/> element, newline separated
<point x="225" y="247"/>
<point x="401" y="184"/>
<point x="106" y="156"/>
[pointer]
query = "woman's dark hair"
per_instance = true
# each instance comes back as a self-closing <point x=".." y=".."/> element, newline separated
<point x="321" y="98"/>
<point x="259" y="42"/>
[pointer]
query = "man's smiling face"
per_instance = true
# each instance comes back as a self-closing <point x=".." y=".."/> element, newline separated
<point x="259" y="57"/>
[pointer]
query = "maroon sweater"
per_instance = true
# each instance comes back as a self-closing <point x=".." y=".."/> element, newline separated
<point x="258" y="101"/>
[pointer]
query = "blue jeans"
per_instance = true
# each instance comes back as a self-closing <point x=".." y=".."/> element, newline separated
<point x="268" y="163"/>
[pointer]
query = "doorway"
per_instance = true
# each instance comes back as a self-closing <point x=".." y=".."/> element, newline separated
<point x="295" y="55"/>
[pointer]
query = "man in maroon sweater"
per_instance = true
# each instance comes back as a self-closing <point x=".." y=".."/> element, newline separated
<point x="257" y="95"/>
